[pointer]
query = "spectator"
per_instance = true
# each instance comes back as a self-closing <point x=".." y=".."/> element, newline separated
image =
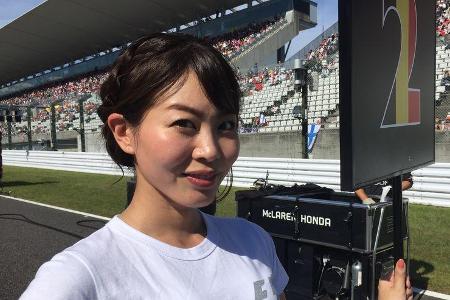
<point x="364" y="194"/>
<point x="446" y="80"/>
<point x="447" y="121"/>
<point x="437" y="123"/>
<point x="262" y="120"/>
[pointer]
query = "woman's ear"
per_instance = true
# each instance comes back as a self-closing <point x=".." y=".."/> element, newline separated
<point x="122" y="132"/>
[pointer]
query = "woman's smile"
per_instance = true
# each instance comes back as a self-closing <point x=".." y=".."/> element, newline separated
<point x="201" y="179"/>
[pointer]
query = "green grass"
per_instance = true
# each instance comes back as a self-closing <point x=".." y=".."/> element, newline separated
<point x="92" y="193"/>
<point x="430" y="247"/>
<point x="99" y="194"/>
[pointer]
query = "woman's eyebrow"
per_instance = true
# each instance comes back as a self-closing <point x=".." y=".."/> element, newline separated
<point x="196" y="112"/>
<point x="186" y="108"/>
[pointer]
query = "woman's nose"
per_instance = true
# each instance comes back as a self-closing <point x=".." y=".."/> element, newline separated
<point x="207" y="147"/>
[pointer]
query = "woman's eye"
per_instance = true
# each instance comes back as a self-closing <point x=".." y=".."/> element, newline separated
<point x="183" y="123"/>
<point x="228" y="125"/>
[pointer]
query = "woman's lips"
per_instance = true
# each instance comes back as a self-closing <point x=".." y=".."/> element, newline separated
<point x="201" y="180"/>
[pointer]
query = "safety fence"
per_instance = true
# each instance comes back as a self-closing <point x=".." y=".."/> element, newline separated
<point x="431" y="184"/>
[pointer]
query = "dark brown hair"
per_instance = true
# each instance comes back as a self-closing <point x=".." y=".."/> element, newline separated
<point x="149" y="67"/>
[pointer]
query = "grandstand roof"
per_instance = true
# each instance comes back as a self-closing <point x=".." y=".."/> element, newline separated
<point x="61" y="31"/>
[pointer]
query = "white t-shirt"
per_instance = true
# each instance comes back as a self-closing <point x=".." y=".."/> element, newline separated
<point x="237" y="260"/>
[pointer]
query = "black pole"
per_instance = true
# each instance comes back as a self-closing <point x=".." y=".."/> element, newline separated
<point x="398" y="216"/>
<point x="9" y="134"/>
<point x="53" y="127"/>
<point x="281" y="54"/>
<point x="30" y="144"/>
<point x="301" y="85"/>
<point x="82" y="135"/>
<point x="304" y="112"/>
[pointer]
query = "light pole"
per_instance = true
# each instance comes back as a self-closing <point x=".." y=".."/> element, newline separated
<point x="301" y="86"/>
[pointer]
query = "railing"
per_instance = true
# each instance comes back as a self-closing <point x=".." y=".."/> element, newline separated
<point x="431" y="184"/>
<point x="86" y="162"/>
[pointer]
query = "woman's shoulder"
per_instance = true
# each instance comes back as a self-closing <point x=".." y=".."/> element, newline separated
<point x="234" y="224"/>
<point x="239" y="230"/>
<point x="65" y="276"/>
<point x="69" y="274"/>
<point x="93" y="245"/>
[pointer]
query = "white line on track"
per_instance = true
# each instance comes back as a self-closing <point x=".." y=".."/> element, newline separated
<point x="58" y="208"/>
<point x="431" y="294"/>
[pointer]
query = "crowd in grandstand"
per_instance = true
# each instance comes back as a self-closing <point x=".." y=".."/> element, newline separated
<point x="255" y="80"/>
<point x="233" y="43"/>
<point x="323" y="59"/>
<point x="66" y="111"/>
<point x="443" y="21"/>
<point x="46" y="95"/>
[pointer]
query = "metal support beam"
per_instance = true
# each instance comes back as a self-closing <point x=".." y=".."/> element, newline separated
<point x="9" y="135"/>
<point x="281" y="54"/>
<point x="304" y="112"/>
<point x="53" y="127"/>
<point x="30" y="143"/>
<point x="301" y="85"/>
<point x="287" y="50"/>
<point x="82" y="134"/>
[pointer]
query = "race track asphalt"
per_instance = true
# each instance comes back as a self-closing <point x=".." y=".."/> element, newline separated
<point x="31" y="234"/>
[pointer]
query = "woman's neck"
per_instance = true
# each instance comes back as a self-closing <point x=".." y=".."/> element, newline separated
<point x="159" y="217"/>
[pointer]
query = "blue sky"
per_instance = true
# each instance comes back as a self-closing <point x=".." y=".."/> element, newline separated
<point x="11" y="9"/>
<point x="326" y="16"/>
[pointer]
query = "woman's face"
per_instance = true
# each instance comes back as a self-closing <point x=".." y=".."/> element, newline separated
<point x="184" y="147"/>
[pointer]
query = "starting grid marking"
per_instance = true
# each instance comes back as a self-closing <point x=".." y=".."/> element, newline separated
<point x="416" y="290"/>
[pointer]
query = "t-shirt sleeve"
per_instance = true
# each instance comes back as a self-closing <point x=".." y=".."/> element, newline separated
<point x="279" y="276"/>
<point x="65" y="276"/>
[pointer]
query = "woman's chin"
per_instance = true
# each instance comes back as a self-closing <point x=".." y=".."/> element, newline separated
<point x="203" y="202"/>
<point x="197" y="199"/>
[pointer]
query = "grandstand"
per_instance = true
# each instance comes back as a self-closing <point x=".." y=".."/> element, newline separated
<point x="253" y="39"/>
<point x="49" y="97"/>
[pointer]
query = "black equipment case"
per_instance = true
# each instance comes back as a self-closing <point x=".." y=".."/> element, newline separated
<point x="327" y="241"/>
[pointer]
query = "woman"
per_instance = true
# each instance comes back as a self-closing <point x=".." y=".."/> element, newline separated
<point x="170" y="109"/>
